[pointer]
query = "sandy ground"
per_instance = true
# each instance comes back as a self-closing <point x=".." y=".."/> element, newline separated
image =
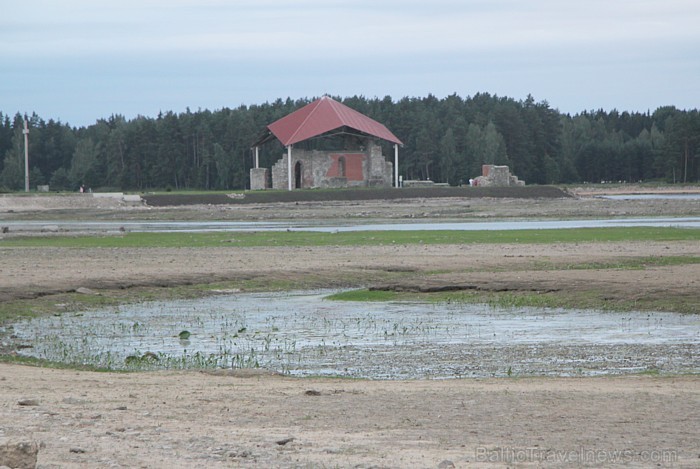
<point x="163" y="420"/>
<point x="193" y="419"/>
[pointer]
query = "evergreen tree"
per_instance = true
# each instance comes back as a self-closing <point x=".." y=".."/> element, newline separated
<point x="444" y="139"/>
<point x="448" y="157"/>
<point x="83" y="165"/>
<point x="12" y="175"/>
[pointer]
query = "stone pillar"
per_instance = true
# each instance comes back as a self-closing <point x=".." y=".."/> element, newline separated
<point x="259" y="179"/>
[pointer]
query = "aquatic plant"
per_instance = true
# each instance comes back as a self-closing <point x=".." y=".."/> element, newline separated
<point x="297" y="334"/>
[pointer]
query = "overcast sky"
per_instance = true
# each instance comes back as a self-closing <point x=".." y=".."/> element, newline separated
<point x="81" y="60"/>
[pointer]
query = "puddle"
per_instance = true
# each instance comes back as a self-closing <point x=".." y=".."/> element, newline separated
<point x="300" y="333"/>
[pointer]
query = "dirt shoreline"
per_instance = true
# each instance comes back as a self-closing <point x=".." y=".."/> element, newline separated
<point x="192" y="419"/>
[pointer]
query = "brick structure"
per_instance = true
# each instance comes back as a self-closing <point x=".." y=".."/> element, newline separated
<point x="498" y="176"/>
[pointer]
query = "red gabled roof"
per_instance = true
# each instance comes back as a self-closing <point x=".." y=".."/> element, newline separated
<point x="323" y="115"/>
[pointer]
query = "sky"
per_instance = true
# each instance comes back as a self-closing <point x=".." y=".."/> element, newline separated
<point x="81" y="60"/>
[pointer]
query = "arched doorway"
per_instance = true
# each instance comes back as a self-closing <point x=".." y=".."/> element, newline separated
<point x="341" y="167"/>
<point x="297" y="175"/>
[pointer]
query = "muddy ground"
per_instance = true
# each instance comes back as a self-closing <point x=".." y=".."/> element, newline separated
<point x="195" y="419"/>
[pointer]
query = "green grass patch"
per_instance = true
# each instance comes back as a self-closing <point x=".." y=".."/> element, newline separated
<point x="633" y="263"/>
<point x="53" y="304"/>
<point x="358" y="238"/>
<point x="495" y="299"/>
<point x="366" y="295"/>
<point x="74" y="302"/>
<point x="523" y="299"/>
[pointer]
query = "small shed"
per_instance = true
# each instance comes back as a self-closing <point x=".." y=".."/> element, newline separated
<point x="359" y="164"/>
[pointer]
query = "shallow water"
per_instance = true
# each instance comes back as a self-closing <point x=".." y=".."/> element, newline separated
<point x="335" y="226"/>
<point x="656" y="196"/>
<point x="301" y="333"/>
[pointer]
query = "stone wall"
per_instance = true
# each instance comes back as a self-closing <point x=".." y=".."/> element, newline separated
<point x="259" y="179"/>
<point x="380" y="170"/>
<point x="497" y="176"/>
<point x="333" y="169"/>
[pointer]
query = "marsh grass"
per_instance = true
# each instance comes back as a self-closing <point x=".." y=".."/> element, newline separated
<point x="367" y="295"/>
<point x="237" y="347"/>
<point x="467" y="296"/>
<point x="292" y="333"/>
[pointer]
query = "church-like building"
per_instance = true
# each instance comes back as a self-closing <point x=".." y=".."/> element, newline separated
<point x="359" y="163"/>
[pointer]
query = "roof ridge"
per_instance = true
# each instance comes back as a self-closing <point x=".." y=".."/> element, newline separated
<point x="322" y="115"/>
<point x="335" y="105"/>
<point x="301" y="126"/>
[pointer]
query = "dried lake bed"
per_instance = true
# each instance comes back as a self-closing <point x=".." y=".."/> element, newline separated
<point x="303" y="333"/>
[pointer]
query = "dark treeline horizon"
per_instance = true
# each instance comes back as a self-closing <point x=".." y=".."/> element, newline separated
<point x="445" y="140"/>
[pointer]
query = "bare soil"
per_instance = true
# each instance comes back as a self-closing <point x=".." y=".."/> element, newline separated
<point x="32" y="272"/>
<point x="164" y="420"/>
<point x="193" y="419"/>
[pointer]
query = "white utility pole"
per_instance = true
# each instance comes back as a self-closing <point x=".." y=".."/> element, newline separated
<point x="289" y="167"/>
<point x="396" y="165"/>
<point x="26" y="156"/>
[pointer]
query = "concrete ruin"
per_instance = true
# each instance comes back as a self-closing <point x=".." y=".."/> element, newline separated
<point x="497" y="176"/>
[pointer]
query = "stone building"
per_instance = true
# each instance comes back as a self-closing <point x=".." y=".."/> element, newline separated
<point x="319" y="169"/>
<point x="359" y="163"/>
<point x="499" y="176"/>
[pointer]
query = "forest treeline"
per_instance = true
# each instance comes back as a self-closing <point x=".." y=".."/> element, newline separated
<point x="445" y="140"/>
